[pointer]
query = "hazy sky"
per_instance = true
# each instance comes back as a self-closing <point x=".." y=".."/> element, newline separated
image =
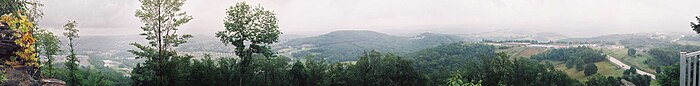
<point x="313" y="17"/>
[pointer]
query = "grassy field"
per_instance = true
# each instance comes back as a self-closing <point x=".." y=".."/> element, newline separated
<point x="636" y="61"/>
<point x="524" y="52"/>
<point x="605" y="68"/>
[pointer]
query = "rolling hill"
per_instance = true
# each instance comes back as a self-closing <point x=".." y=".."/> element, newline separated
<point x="500" y="35"/>
<point x="632" y="40"/>
<point x="348" y="44"/>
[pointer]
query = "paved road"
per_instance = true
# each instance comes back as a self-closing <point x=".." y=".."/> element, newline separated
<point x="625" y="66"/>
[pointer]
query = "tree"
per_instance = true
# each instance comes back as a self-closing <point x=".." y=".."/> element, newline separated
<point x="455" y="80"/>
<point x="93" y="78"/>
<point x="161" y="20"/>
<point x="298" y="74"/>
<point x="590" y="69"/>
<point x="317" y="70"/>
<point x="72" y="61"/>
<point x="631" y="52"/>
<point x="579" y="64"/>
<point x="599" y="80"/>
<point x="47" y="46"/>
<point x="637" y="79"/>
<point x="696" y="26"/>
<point x="670" y="75"/>
<point x="632" y="70"/>
<point x="256" y="27"/>
<point x="30" y="7"/>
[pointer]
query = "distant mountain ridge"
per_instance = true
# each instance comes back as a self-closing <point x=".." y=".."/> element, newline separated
<point x="500" y="35"/>
<point x="634" y="40"/>
<point x="345" y="45"/>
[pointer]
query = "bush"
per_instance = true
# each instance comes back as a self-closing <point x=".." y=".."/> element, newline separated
<point x="590" y="69"/>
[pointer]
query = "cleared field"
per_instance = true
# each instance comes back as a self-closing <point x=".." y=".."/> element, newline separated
<point x="531" y="51"/>
<point x="524" y="52"/>
<point x="605" y="68"/>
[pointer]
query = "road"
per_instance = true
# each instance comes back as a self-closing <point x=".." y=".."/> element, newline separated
<point x="625" y="66"/>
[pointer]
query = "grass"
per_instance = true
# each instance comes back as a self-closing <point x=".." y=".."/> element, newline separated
<point x="512" y="50"/>
<point x="637" y="61"/>
<point x="654" y="83"/>
<point x="524" y="52"/>
<point x="605" y="68"/>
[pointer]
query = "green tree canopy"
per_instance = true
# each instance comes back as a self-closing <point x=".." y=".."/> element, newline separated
<point x="249" y="25"/>
<point x="590" y="69"/>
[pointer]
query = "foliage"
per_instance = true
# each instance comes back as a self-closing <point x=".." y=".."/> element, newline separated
<point x="590" y="69"/>
<point x="639" y="80"/>
<point x="668" y="55"/>
<point x="317" y="70"/>
<point x="695" y="26"/>
<point x="47" y="46"/>
<point x="670" y="75"/>
<point x="632" y="70"/>
<point x="500" y="70"/>
<point x="22" y="29"/>
<point x="393" y="71"/>
<point x="93" y="78"/>
<point x="599" y="80"/>
<point x="631" y="52"/>
<point x="255" y="26"/>
<point x="161" y="20"/>
<point x="31" y="7"/>
<point x="2" y="77"/>
<point x="629" y="40"/>
<point x="448" y="57"/>
<point x="575" y="56"/>
<point x="11" y="6"/>
<point x="477" y="62"/>
<point x="455" y="80"/>
<point x="72" y="61"/>
<point x="89" y="77"/>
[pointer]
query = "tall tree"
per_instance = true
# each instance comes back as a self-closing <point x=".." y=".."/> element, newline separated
<point x="631" y="52"/>
<point x="632" y="70"/>
<point x="255" y="27"/>
<point x="47" y="46"/>
<point x="161" y="20"/>
<point x="670" y="75"/>
<point x="299" y="75"/>
<point x="599" y="80"/>
<point x="72" y="61"/>
<point x="590" y="69"/>
<point x="696" y="26"/>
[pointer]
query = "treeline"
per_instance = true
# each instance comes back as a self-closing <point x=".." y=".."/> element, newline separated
<point x="536" y="42"/>
<point x="579" y="57"/>
<point x="480" y="62"/>
<point x="501" y="70"/>
<point x="630" y="77"/>
<point x="668" y="55"/>
<point x="373" y="69"/>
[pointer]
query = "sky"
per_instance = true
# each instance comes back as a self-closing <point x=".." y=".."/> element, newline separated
<point x="314" y="17"/>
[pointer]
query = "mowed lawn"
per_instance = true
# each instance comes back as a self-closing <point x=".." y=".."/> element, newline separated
<point x="605" y="68"/>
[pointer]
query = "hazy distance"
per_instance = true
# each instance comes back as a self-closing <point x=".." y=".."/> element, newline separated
<point x="577" y="18"/>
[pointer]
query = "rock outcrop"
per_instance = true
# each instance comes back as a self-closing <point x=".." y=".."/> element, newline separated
<point x="18" y="76"/>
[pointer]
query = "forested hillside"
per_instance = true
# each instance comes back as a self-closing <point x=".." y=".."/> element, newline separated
<point x="268" y="43"/>
<point x="345" y="45"/>
<point x="631" y="40"/>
